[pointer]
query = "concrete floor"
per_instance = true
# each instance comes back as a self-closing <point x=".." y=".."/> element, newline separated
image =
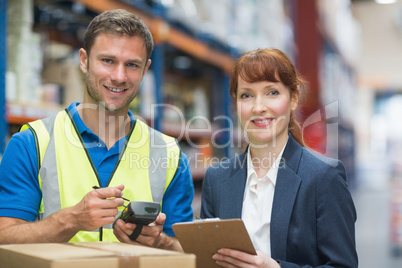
<point x="373" y="229"/>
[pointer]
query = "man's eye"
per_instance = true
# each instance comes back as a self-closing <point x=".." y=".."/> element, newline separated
<point x="107" y="60"/>
<point x="132" y="65"/>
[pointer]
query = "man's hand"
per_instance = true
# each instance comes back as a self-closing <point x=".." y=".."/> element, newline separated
<point x="151" y="235"/>
<point x="97" y="208"/>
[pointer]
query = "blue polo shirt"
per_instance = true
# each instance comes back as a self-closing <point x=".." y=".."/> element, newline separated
<point x="20" y="194"/>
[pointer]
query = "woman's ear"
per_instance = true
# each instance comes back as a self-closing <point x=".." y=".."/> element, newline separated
<point x="295" y="99"/>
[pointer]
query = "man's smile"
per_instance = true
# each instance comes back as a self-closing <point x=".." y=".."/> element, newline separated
<point x="117" y="90"/>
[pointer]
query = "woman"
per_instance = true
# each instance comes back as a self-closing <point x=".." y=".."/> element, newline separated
<point x="295" y="204"/>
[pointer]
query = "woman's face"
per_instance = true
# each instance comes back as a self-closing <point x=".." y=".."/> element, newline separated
<point x="264" y="110"/>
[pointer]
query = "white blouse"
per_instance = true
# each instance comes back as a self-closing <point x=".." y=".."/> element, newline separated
<point x="257" y="204"/>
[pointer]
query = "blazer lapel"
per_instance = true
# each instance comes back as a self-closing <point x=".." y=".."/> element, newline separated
<point x="286" y="188"/>
<point x="232" y="190"/>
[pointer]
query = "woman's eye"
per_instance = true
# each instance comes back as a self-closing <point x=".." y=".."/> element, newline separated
<point x="273" y="92"/>
<point x="244" y="96"/>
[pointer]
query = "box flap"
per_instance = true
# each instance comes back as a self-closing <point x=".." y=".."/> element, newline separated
<point x="54" y="251"/>
<point x="123" y="249"/>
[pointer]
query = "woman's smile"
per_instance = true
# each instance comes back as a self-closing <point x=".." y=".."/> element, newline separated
<point x="262" y="122"/>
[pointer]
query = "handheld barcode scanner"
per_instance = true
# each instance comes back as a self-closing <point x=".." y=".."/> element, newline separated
<point x="140" y="213"/>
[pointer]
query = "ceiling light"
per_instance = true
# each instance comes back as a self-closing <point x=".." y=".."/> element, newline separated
<point x="385" y="1"/>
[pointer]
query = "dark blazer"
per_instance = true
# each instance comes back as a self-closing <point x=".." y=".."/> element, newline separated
<point x="313" y="214"/>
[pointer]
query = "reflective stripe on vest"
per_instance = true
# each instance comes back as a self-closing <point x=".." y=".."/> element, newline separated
<point x="146" y="166"/>
<point x="43" y="126"/>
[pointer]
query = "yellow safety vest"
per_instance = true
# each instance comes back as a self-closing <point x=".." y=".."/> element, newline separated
<point x="146" y="166"/>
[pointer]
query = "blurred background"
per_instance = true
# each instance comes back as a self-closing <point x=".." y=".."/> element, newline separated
<point x="350" y="52"/>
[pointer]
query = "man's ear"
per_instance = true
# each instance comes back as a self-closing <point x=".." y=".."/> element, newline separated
<point x="147" y="66"/>
<point x="83" y="60"/>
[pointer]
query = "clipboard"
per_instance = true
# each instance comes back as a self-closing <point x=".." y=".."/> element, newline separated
<point x="204" y="238"/>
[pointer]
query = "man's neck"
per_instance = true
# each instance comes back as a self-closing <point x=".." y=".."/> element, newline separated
<point x="108" y="126"/>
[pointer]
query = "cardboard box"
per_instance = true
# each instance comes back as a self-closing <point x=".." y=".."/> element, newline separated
<point x="91" y="254"/>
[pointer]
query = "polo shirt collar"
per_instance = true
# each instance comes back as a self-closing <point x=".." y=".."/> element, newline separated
<point x="80" y="124"/>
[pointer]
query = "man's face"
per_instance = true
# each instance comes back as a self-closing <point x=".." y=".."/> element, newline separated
<point x="114" y="71"/>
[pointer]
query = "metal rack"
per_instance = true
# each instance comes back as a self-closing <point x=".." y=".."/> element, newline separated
<point x="165" y="36"/>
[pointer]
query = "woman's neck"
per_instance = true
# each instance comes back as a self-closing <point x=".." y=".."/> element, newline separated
<point x="264" y="156"/>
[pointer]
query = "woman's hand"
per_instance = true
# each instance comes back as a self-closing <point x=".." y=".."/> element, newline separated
<point x="234" y="258"/>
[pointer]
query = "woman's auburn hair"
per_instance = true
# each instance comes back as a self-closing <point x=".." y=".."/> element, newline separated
<point x="271" y="65"/>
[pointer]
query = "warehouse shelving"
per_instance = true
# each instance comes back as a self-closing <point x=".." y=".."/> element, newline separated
<point x="167" y="39"/>
<point x="216" y="58"/>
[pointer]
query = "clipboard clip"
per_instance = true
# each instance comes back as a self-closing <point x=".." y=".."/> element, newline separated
<point x="198" y="219"/>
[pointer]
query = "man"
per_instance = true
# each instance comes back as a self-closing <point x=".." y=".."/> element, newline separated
<point x="49" y="169"/>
